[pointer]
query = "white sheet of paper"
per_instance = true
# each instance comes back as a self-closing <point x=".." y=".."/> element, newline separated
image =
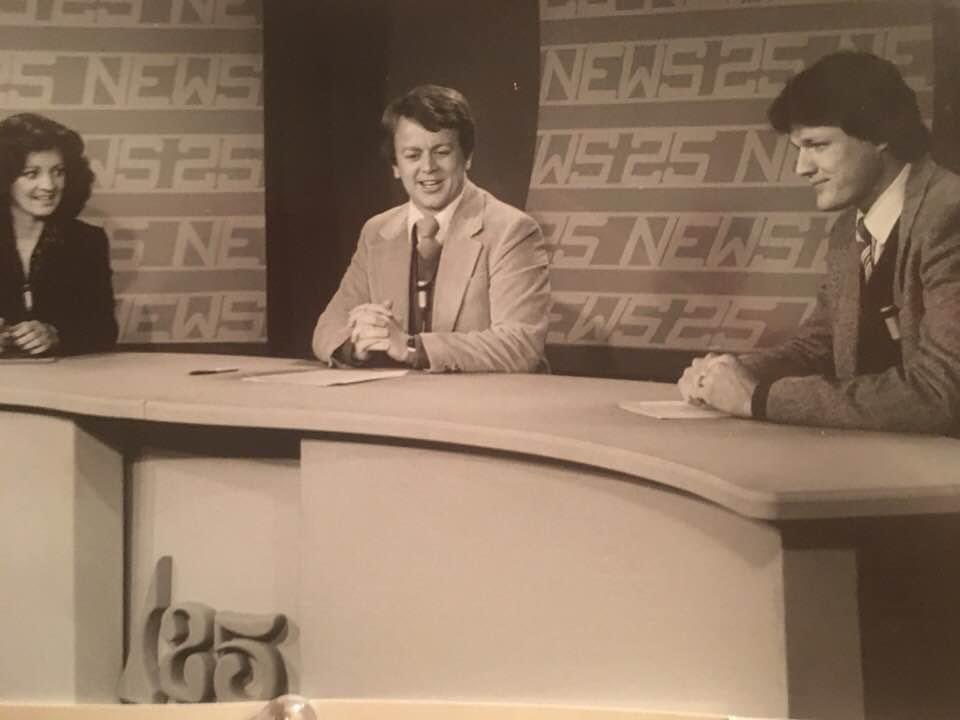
<point x="326" y="377"/>
<point x="670" y="410"/>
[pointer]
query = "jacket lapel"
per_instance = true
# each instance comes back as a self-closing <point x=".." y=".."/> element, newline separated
<point x="847" y="277"/>
<point x="458" y="259"/>
<point x="390" y="255"/>
<point x="917" y="181"/>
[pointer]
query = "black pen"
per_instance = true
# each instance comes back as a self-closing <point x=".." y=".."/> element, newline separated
<point x="213" y="371"/>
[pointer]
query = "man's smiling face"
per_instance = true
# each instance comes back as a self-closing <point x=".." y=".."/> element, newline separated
<point x="431" y="165"/>
<point x="843" y="170"/>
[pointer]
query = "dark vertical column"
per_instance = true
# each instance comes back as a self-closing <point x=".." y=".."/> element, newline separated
<point x="329" y="68"/>
<point x="489" y="51"/>
<point x="324" y="74"/>
<point x="906" y="581"/>
<point x="909" y="586"/>
<point x="946" y="99"/>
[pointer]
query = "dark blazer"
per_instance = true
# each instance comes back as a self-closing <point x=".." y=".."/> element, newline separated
<point x="492" y="300"/>
<point x="70" y="283"/>
<point x="814" y="376"/>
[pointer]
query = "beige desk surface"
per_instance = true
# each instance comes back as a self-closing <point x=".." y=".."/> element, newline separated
<point x="756" y="469"/>
<point x="337" y="710"/>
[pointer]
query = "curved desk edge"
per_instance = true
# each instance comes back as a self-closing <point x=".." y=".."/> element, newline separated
<point x="639" y="466"/>
<point x="136" y="390"/>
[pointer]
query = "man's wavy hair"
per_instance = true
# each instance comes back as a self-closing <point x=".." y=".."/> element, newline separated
<point x="435" y="107"/>
<point x="860" y="93"/>
<point x="25" y="133"/>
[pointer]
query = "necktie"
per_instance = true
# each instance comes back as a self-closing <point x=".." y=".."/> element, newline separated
<point x="428" y="257"/>
<point x="428" y="248"/>
<point x="865" y="241"/>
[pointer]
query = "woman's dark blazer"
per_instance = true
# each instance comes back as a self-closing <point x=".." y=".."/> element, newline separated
<point x="71" y="285"/>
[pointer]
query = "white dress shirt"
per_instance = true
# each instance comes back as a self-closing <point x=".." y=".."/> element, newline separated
<point x="885" y="212"/>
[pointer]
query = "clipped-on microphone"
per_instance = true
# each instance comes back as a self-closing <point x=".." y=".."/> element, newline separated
<point x="28" y="299"/>
<point x="890" y="315"/>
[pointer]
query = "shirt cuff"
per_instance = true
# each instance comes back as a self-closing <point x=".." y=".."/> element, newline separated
<point x="344" y="355"/>
<point x="758" y="401"/>
<point x="421" y="361"/>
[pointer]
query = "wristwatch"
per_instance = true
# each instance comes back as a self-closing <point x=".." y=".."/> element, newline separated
<point x="411" y="358"/>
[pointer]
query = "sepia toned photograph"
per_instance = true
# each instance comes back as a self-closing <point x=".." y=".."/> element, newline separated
<point x="479" y="359"/>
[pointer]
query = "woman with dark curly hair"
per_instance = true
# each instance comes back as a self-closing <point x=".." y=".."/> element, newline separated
<point x="56" y="294"/>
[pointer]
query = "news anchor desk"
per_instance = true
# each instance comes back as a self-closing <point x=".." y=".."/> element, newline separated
<point x="483" y="537"/>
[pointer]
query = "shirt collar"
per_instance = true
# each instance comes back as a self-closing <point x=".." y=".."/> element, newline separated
<point x="443" y="217"/>
<point x="886" y="209"/>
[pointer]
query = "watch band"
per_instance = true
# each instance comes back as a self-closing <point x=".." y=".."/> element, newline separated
<point x="411" y="358"/>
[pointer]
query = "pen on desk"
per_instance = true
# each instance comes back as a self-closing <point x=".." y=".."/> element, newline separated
<point x="213" y="371"/>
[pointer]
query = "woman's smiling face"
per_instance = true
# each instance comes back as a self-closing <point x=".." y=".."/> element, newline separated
<point x="38" y="189"/>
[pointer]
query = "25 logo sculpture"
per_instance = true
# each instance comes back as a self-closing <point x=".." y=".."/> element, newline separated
<point x="189" y="652"/>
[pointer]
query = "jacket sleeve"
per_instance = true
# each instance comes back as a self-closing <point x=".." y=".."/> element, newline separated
<point x="809" y="352"/>
<point x="88" y="323"/>
<point x="924" y="394"/>
<point x="332" y="330"/>
<point x="519" y="303"/>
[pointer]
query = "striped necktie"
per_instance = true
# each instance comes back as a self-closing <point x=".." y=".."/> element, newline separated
<point x="428" y="257"/>
<point x="428" y="248"/>
<point x="865" y="242"/>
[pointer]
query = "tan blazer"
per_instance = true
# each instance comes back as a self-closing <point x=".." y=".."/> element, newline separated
<point x="814" y="374"/>
<point x="492" y="298"/>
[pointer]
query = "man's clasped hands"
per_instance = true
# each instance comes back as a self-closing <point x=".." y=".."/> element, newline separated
<point x="373" y="326"/>
<point x="719" y="381"/>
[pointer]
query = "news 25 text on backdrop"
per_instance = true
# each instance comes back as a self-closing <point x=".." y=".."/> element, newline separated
<point x="673" y="213"/>
<point x="168" y="95"/>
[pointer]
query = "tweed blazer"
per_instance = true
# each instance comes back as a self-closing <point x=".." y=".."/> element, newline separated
<point x="71" y="285"/>
<point x="814" y="376"/>
<point x="492" y="294"/>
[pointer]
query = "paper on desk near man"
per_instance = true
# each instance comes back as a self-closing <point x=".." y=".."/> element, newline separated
<point x="670" y="410"/>
<point x="326" y="377"/>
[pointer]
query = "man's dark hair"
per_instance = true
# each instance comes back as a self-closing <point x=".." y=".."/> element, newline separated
<point x="25" y="133"/>
<point x="435" y="108"/>
<point x="860" y="93"/>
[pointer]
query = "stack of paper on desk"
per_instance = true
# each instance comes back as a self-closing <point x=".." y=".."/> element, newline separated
<point x="670" y="410"/>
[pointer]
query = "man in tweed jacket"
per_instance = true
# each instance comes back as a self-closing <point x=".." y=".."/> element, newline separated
<point x="881" y="350"/>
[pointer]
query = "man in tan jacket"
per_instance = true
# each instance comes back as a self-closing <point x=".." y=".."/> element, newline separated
<point x="454" y="279"/>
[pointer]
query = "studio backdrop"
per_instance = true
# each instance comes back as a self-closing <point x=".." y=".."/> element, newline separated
<point x="674" y="214"/>
<point x="235" y="144"/>
<point x="168" y="96"/>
